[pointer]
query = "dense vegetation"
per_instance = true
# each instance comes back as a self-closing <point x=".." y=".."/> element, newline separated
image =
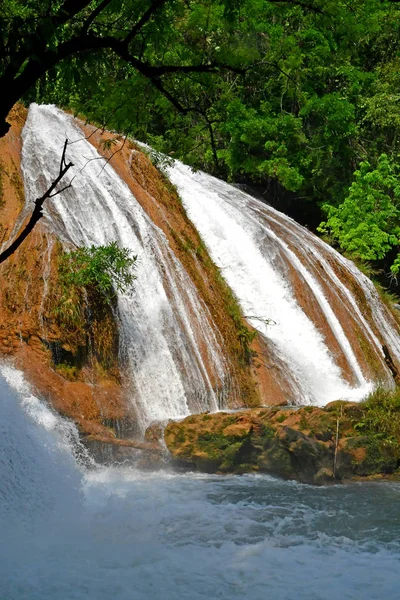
<point x="298" y="98"/>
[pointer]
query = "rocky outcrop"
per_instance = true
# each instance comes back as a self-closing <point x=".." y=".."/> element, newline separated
<point x="310" y="445"/>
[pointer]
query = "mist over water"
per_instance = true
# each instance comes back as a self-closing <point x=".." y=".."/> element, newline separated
<point x="73" y="530"/>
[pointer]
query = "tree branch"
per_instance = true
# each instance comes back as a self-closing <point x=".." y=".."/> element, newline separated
<point x="37" y="213"/>
<point x="93" y="15"/>
<point x="46" y="58"/>
<point x="144" y="19"/>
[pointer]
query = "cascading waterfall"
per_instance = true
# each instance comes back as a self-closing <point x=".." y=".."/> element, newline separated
<point x="300" y="294"/>
<point x="163" y="321"/>
<point x="258" y="249"/>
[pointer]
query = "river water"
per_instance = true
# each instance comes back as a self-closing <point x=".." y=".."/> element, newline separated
<point x="71" y="529"/>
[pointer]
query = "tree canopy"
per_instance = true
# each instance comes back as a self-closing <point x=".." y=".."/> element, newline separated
<point x="97" y="39"/>
<point x="299" y="98"/>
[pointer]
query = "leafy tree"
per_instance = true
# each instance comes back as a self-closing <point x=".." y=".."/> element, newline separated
<point x="310" y="94"/>
<point x="97" y="39"/>
<point x="301" y="106"/>
<point x="367" y="223"/>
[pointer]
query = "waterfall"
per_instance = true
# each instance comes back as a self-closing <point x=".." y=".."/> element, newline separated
<point x="281" y="272"/>
<point x="163" y="320"/>
<point x="321" y="321"/>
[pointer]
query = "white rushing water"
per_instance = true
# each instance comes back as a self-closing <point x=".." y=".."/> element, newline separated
<point x="238" y="233"/>
<point x="163" y="321"/>
<point x="75" y="531"/>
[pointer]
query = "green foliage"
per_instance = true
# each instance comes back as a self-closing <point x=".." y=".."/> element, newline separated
<point x="102" y="270"/>
<point x="70" y="372"/>
<point x="69" y="308"/>
<point x="381" y="416"/>
<point x="308" y="110"/>
<point x="367" y="223"/>
<point x="161" y="161"/>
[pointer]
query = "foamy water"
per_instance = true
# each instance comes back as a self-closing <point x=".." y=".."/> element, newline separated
<point x="69" y="532"/>
<point x="237" y="231"/>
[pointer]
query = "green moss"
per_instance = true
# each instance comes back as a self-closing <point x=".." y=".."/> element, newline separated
<point x="303" y="423"/>
<point x="276" y="460"/>
<point x="281" y="418"/>
<point x="213" y="442"/>
<point x="180" y="436"/>
<point x="68" y="371"/>
<point x="230" y="457"/>
<point x="266" y="432"/>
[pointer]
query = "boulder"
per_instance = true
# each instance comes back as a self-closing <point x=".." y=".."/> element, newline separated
<point x="310" y="444"/>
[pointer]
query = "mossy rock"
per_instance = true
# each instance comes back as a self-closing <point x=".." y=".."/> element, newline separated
<point x="311" y="445"/>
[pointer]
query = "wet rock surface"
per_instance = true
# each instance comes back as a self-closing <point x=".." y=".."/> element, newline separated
<point x="311" y="445"/>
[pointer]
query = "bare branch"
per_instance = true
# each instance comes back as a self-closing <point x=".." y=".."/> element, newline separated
<point x="89" y="160"/>
<point x="37" y="213"/>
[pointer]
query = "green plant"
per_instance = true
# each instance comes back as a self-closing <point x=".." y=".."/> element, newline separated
<point x="161" y="161"/>
<point x="107" y="144"/>
<point x="303" y="423"/>
<point x="69" y="307"/>
<point x="69" y="372"/>
<point x="381" y="416"/>
<point x="102" y="269"/>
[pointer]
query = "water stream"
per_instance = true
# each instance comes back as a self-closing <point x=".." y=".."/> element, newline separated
<point x="256" y="248"/>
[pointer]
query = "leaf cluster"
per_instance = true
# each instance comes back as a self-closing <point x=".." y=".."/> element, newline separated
<point x="306" y="111"/>
<point x="101" y="270"/>
<point x="367" y="222"/>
